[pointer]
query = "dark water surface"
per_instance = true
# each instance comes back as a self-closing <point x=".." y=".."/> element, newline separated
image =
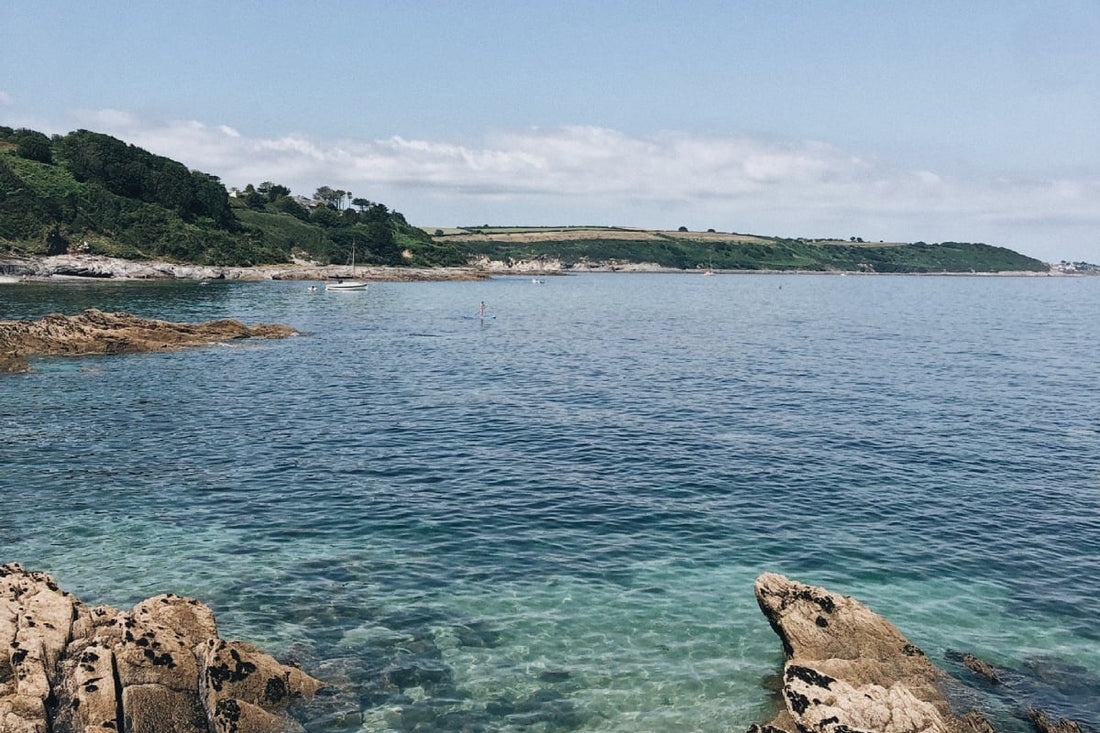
<point x="552" y="520"/>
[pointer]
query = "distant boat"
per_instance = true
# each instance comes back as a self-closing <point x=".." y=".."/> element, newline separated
<point x="346" y="285"/>
<point x="351" y="284"/>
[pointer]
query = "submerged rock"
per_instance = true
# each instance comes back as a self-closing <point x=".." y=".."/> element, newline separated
<point x="848" y="669"/>
<point x="65" y="667"/>
<point x="97" y="332"/>
<point x="1045" y="724"/>
<point x="1053" y="694"/>
<point x="13" y="364"/>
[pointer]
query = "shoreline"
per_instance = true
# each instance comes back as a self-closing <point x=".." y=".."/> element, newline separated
<point x="85" y="268"/>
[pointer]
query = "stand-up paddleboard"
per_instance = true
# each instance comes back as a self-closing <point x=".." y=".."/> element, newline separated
<point x="481" y="314"/>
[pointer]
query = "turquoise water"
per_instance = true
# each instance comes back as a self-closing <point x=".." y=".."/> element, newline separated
<point x="551" y="520"/>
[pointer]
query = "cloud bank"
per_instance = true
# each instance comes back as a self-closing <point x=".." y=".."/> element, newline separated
<point x="595" y="175"/>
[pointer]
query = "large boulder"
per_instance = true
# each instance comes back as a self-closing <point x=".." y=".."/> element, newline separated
<point x="849" y="670"/>
<point x="158" y="668"/>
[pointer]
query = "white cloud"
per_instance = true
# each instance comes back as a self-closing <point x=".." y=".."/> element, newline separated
<point x="585" y="174"/>
<point x="107" y="119"/>
<point x="5" y="98"/>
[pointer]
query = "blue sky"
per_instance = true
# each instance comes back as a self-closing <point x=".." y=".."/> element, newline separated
<point x="899" y="121"/>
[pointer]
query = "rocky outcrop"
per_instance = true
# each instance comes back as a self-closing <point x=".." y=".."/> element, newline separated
<point x="97" y="332"/>
<point x="86" y="266"/>
<point x="849" y="670"/>
<point x="1045" y="724"/>
<point x="158" y="668"/>
<point x="1056" y="695"/>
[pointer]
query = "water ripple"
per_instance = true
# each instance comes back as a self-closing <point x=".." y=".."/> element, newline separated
<point x="552" y="521"/>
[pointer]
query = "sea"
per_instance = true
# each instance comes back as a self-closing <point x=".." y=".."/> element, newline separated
<point x="551" y="518"/>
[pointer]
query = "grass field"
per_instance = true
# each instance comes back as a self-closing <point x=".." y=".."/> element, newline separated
<point x="728" y="250"/>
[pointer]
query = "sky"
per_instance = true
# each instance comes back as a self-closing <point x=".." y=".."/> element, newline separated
<point x="897" y="121"/>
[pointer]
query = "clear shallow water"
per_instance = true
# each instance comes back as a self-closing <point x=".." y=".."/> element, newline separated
<point x="552" y="520"/>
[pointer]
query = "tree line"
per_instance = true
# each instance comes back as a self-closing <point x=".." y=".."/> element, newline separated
<point x="90" y="192"/>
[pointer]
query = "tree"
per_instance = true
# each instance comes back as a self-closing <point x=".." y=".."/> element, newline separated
<point x="377" y="213"/>
<point x="211" y="199"/>
<point x="360" y="203"/>
<point x="33" y="145"/>
<point x="255" y="200"/>
<point x="277" y="192"/>
<point x="382" y="244"/>
<point x="326" y="216"/>
<point x="329" y="197"/>
<point x="289" y="206"/>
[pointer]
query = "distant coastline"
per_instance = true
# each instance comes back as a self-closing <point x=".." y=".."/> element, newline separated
<point x="89" y="194"/>
<point x="86" y="268"/>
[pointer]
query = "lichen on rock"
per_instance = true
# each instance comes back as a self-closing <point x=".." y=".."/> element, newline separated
<point x="65" y="667"/>
<point x="849" y="670"/>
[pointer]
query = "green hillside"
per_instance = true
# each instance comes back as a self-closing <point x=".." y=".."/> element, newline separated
<point x="732" y="251"/>
<point x="86" y="192"/>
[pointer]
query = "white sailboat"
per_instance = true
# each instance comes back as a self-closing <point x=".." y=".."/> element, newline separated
<point x="351" y="284"/>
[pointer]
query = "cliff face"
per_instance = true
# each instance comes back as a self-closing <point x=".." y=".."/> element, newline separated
<point x="160" y="667"/>
<point x="97" y="332"/>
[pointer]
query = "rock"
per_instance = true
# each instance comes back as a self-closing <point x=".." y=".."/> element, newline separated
<point x="232" y="715"/>
<point x="98" y="332"/>
<point x="90" y="690"/>
<point x="155" y="708"/>
<point x="66" y="668"/>
<point x="243" y="672"/>
<point x="94" y="266"/>
<point x="848" y="669"/>
<point x="14" y="364"/>
<point x="1045" y="724"/>
<point x="981" y="668"/>
<point x="86" y="266"/>
<point x="1055" y="695"/>
<point x="35" y="617"/>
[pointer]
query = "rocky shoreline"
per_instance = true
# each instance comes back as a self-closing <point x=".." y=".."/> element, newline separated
<point x="60" y="268"/>
<point x="98" y="332"/>
<point x="848" y="670"/>
<point x="160" y="667"/>
<point x="65" y="667"/>
<point x="93" y="267"/>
